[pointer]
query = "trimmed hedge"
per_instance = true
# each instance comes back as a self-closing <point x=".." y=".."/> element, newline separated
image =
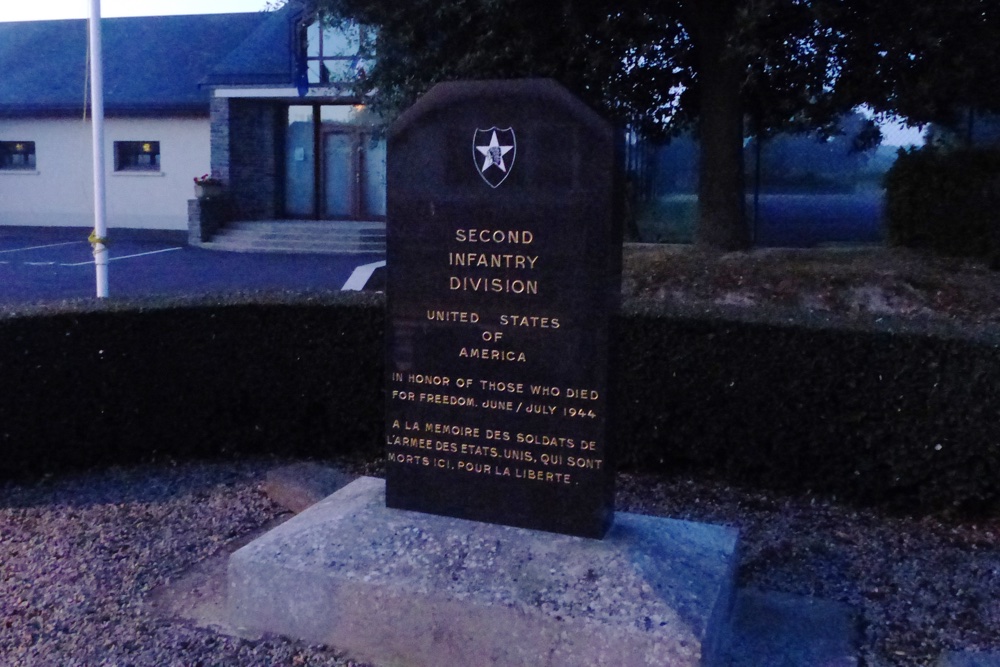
<point x="894" y="414"/>
<point x="126" y="385"/>
<point x="945" y="201"/>
<point x="902" y="418"/>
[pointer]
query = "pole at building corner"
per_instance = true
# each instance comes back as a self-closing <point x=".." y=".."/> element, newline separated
<point x="99" y="238"/>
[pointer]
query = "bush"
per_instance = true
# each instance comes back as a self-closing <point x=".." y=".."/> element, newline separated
<point x="945" y="201"/>
<point x="892" y="413"/>
<point x="123" y="385"/>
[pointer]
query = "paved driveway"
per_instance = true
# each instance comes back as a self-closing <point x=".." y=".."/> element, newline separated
<point x="38" y="265"/>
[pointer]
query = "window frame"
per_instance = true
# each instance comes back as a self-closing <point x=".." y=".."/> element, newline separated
<point x="27" y="149"/>
<point x="126" y="153"/>
<point x="358" y="62"/>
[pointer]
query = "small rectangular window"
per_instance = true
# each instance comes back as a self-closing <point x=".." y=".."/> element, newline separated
<point x="137" y="156"/>
<point x="17" y="154"/>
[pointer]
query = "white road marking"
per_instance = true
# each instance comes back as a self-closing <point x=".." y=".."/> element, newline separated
<point x="360" y="276"/>
<point x="39" y="247"/>
<point x="39" y="263"/>
<point x="114" y="259"/>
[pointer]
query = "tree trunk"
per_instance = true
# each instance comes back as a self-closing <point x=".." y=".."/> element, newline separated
<point x="721" y="189"/>
<point x="757" y="156"/>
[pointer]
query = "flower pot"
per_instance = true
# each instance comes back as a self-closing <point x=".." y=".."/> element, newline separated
<point x="202" y="191"/>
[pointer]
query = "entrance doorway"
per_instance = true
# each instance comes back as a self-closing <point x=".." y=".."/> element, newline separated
<point x="353" y="174"/>
<point x="347" y="180"/>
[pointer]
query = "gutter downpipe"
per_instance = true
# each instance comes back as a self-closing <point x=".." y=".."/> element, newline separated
<point x="99" y="238"/>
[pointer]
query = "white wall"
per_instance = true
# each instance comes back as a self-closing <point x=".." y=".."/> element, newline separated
<point x="59" y="193"/>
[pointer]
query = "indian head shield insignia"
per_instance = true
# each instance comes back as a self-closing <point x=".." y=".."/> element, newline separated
<point x="493" y="151"/>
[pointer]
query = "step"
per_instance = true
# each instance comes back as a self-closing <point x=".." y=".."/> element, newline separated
<point x="302" y="248"/>
<point x="309" y="226"/>
<point x="291" y="236"/>
<point x="298" y="236"/>
<point x="297" y="233"/>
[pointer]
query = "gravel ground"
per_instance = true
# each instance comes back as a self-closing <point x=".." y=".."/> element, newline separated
<point x="79" y="553"/>
<point x="919" y="585"/>
<point x="850" y="282"/>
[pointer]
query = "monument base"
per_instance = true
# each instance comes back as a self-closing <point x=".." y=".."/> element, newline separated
<point x="408" y="589"/>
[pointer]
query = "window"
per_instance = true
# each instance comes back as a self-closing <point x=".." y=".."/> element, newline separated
<point x="137" y="156"/>
<point x="17" y="154"/>
<point x="337" y="52"/>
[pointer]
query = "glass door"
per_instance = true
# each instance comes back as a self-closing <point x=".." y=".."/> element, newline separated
<point x="300" y="163"/>
<point x="339" y="174"/>
<point x="372" y="157"/>
<point x="334" y="164"/>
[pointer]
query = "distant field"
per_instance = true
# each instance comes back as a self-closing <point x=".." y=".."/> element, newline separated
<point x="796" y="221"/>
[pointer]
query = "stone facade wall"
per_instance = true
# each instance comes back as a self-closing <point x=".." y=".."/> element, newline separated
<point x="254" y="165"/>
<point x="220" y="138"/>
<point x="207" y="216"/>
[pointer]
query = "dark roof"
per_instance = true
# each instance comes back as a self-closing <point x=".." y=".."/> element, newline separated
<point x="152" y="64"/>
<point x="266" y="56"/>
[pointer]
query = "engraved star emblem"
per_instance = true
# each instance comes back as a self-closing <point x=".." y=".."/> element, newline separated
<point x="493" y="154"/>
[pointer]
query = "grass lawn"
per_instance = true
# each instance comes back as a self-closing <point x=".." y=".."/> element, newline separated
<point x="784" y="220"/>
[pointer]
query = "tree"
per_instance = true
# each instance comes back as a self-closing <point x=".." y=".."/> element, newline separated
<point x="660" y="66"/>
<point x="928" y="62"/>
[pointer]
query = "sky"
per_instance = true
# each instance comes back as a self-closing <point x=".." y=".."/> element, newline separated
<point x="19" y="10"/>
<point x="894" y="135"/>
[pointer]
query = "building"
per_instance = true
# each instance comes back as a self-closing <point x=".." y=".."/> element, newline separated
<point x="263" y="101"/>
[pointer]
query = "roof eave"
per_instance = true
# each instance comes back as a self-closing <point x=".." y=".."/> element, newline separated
<point x="111" y="111"/>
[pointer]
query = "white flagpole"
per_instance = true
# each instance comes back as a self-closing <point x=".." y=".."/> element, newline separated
<point x="99" y="238"/>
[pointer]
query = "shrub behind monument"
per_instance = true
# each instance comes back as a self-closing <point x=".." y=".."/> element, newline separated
<point x="947" y="202"/>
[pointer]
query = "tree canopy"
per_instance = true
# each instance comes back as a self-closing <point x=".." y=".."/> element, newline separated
<point x="725" y="68"/>
<point x="928" y="62"/>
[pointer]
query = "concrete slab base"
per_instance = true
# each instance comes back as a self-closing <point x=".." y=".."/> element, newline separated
<point x="780" y="629"/>
<point x="969" y="659"/>
<point x="408" y="589"/>
<point x="301" y="485"/>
